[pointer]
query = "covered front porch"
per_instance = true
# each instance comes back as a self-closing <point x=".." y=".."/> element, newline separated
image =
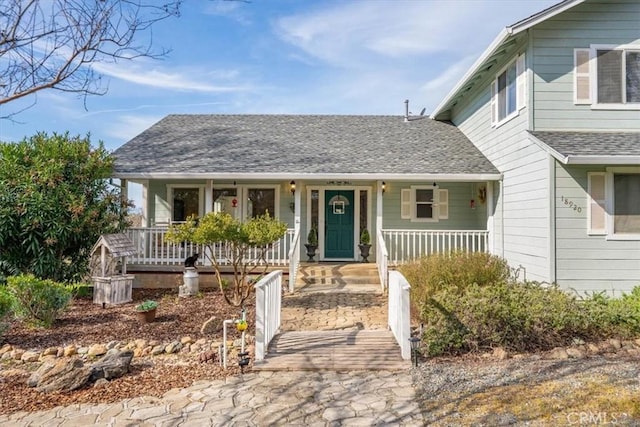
<point x="405" y="218"/>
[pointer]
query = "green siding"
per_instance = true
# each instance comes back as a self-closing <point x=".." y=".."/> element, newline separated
<point x="593" y="22"/>
<point x="584" y="262"/>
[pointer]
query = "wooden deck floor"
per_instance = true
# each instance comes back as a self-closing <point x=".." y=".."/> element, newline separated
<point x="333" y="351"/>
<point x="347" y="335"/>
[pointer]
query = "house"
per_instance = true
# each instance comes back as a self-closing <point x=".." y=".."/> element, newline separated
<point x="416" y="184"/>
<point x="534" y="155"/>
<point x="554" y="104"/>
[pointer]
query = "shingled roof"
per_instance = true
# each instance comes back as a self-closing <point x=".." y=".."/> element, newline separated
<point x="592" y="147"/>
<point x="198" y="145"/>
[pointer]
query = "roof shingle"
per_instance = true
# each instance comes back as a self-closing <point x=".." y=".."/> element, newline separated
<point x="330" y="144"/>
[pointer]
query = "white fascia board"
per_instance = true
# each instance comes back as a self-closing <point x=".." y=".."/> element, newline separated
<point x="493" y="47"/>
<point x="302" y="176"/>
<point x="603" y="160"/>
<point x="505" y="34"/>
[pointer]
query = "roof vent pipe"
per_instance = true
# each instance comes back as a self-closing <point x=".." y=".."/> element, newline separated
<point x="406" y="110"/>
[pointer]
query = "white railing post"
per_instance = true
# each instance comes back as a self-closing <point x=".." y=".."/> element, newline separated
<point x="400" y="312"/>
<point x="382" y="260"/>
<point x="294" y="260"/>
<point x="268" y="306"/>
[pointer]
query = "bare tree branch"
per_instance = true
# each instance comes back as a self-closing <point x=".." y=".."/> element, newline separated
<point x="53" y="43"/>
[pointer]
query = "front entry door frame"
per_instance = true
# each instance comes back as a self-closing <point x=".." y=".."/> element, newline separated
<point x="356" y="216"/>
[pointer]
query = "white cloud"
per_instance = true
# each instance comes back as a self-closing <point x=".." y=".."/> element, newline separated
<point x="171" y="80"/>
<point x="348" y="32"/>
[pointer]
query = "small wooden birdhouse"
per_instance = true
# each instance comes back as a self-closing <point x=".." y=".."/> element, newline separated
<point x="112" y="285"/>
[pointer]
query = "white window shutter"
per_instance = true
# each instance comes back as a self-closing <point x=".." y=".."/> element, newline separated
<point x="494" y="100"/>
<point x="596" y="213"/>
<point x="443" y="204"/>
<point x="521" y="82"/>
<point x="581" y="76"/>
<point x="405" y="203"/>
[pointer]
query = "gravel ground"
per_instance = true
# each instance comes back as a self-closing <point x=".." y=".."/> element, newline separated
<point x="530" y="391"/>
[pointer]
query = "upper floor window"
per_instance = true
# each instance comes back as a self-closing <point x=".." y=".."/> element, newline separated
<point x="508" y="92"/>
<point x="608" y="76"/>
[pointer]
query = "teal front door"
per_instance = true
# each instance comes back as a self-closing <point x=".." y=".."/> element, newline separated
<point x="338" y="223"/>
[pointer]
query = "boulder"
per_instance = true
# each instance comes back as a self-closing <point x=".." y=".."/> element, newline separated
<point x="112" y="365"/>
<point x="97" y="350"/>
<point x="61" y="375"/>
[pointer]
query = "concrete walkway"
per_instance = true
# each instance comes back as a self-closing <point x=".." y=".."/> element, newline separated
<point x="256" y="399"/>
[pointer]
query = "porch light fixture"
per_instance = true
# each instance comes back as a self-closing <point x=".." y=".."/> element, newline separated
<point x="292" y="187"/>
<point x="415" y="343"/>
<point x="384" y="186"/>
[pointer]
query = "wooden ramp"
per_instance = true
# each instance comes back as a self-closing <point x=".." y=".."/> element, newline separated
<point x="337" y="350"/>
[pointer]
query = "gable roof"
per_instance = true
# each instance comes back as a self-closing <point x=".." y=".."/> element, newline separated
<point x="283" y="146"/>
<point x="499" y="46"/>
<point x="613" y="148"/>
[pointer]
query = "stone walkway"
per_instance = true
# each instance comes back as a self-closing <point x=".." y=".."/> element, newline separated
<point x="356" y="398"/>
<point x="256" y="399"/>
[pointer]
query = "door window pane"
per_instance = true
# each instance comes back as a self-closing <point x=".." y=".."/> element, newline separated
<point x="363" y="210"/>
<point x="315" y="197"/>
<point x="186" y="202"/>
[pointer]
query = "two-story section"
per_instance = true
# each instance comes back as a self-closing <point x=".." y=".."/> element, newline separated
<point x="554" y="104"/>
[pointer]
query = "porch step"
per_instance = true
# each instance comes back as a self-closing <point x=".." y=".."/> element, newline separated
<point x="332" y="277"/>
<point x="334" y="351"/>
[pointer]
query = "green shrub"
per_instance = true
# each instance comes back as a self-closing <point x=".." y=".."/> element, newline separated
<point x="5" y="308"/>
<point x="454" y="272"/>
<point x="517" y="317"/>
<point x="38" y="302"/>
<point x="607" y="317"/>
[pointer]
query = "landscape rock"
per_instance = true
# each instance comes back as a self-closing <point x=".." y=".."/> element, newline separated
<point x="575" y="353"/>
<point x="51" y="351"/>
<point x="558" y="353"/>
<point x="186" y="340"/>
<point x="16" y="353"/>
<point x="592" y="348"/>
<point x="70" y="350"/>
<point x="61" y="375"/>
<point x="6" y="348"/>
<point x="158" y="349"/>
<point x="112" y="365"/>
<point x="173" y="347"/>
<point x="30" y="356"/>
<point x="97" y="350"/>
<point x="113" y="344"/>
<point x="141" y="343"/>
<point x="500" y="353"/>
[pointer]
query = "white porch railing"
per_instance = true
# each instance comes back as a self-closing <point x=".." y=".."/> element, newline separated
<point x="382" y="260"/>
<point x="294" y="260"/>
<point x="268" y="306"/>
<point x="154" y="250"/>
<point x="400" y="312"/>
<point x="404" y="245"/>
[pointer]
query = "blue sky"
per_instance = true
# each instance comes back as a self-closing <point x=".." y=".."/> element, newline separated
<point x="282" y="56"/>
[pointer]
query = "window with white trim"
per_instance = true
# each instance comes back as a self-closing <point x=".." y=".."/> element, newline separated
<point x="260" y="201"/>
<point x="607" y="76"/>
<point x="424" y="204"/>
<point x="185" y="202"/>
<point x="614" y="203"/>
<point x="508" y="91"/>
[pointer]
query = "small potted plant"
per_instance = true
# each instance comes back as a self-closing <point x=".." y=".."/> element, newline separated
<point x="312" y="243"/>
<point x="365" y="244"/>
<point x="147" y="311"/>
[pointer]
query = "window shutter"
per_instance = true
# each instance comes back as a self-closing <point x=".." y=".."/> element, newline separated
<point x="521" y="82"/>
<point x="443" y="204"/>
<point x="581" y="76"/>
<point x="494" y="100"/>
<point x="596" y="214"/>
<point x="405" y="203"/>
